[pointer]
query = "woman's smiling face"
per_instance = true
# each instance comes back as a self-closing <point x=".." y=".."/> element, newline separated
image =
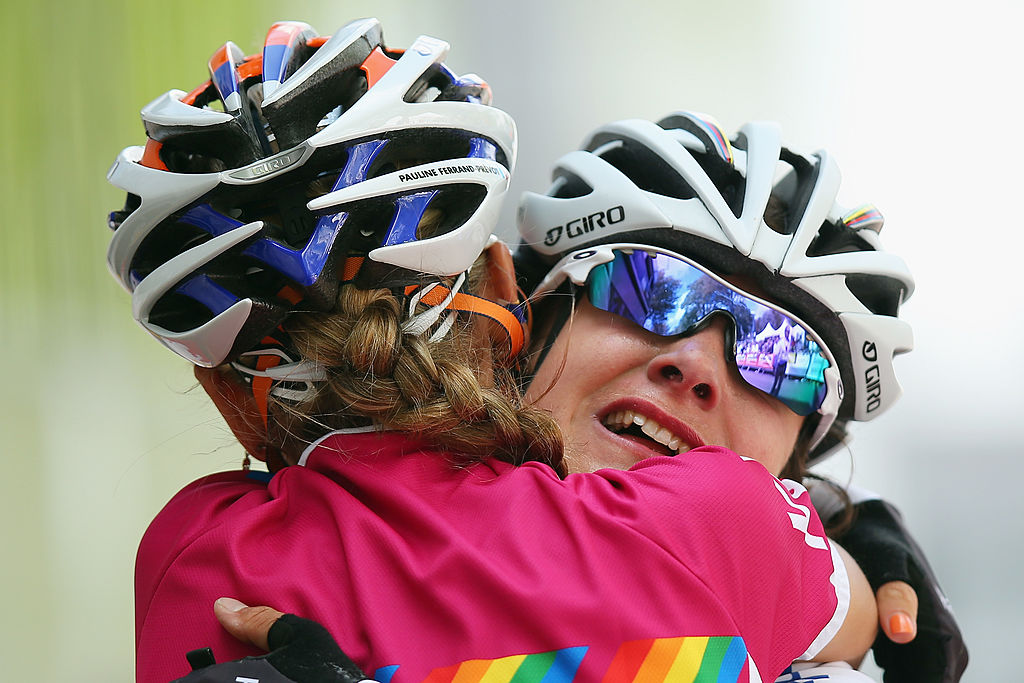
<point x="625" y="394"/>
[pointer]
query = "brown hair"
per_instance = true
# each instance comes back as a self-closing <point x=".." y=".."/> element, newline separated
<point x="796" y="469"/>
<point x="450" y="392"/>
<point x="776" y="217"/>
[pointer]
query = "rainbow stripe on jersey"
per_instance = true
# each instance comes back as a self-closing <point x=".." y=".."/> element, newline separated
<point x="694" y="659"/>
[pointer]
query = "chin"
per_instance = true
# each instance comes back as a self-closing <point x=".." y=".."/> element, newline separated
<point x="585" y="463"/>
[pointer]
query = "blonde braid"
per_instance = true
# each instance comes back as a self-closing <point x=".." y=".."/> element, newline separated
<point x="429" y="389"/>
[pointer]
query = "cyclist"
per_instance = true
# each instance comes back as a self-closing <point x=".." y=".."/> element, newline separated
<point x="646" y="232"/>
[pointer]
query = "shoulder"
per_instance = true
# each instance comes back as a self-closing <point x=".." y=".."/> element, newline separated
<point x="191" y="513"/>
<point x="710" y="475"/>
<point x="203" y="500"/>
<point x="772" y="563"/>
<point x="689" y="499"/>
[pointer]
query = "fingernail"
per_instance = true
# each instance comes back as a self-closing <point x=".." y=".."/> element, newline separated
<point x="901" y="623"/>
<point x="230" y="604"/>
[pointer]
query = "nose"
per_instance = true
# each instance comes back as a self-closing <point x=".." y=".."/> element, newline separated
<point x="694" y="365"/>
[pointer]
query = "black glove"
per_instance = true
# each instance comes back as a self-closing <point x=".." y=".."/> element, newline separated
<point x="301" y="651"/>
<point x="885" y="551"/>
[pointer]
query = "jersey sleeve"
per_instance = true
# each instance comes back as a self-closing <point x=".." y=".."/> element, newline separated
<point x="169" y="595"/>
<point x="756" y="541"/>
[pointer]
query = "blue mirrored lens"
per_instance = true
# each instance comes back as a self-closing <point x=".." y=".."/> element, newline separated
<point x="669" y="296"/>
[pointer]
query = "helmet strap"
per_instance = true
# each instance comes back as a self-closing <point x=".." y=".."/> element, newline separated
<point x="561" y="304"/>
<point x="418" y="323"/>
<point x="508" y="318"/>
<point x="440" y="298"/>
<point x="277" y="373"/>
<point x="261" y="386"/>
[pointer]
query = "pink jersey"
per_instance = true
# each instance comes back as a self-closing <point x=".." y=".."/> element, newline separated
<point x="698" y="567"/>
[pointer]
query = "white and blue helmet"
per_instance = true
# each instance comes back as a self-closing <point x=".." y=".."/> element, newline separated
<point x="297" y="169"/>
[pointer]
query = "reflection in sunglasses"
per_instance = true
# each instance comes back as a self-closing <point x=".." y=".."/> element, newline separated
<point x="773" y="350"/>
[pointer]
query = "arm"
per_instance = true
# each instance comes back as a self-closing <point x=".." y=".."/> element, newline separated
<point x="895" y="564"/>
<point x="920" y="640"/>
<point x="858" y="631"/>
<point x="789" y="587"/>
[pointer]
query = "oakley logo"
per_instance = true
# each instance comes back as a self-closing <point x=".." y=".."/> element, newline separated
<point x="585" y="224"/>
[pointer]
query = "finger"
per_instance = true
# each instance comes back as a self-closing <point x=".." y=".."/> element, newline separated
<point x="897" y="611"/>
<point x="248" y="624"/>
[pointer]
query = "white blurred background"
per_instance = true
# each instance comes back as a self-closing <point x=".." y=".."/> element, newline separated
<point x="919" y="103"/>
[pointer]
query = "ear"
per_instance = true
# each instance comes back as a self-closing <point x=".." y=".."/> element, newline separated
<point x="236" y="403"/>
<point x="500" y="285"/>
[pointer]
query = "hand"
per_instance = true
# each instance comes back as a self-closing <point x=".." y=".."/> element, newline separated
<point x="247" y="624"/>
<point x="897" y="611"/>
<point x="921" y="642"/>
<point x="301" y="651"/>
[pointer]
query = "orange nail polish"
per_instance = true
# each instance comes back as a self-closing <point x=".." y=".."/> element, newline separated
<point x="900" y="623"/>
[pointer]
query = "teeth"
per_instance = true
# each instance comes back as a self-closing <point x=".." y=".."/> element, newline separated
<point x="650" y="428"/>
<point x="622" y="419"/>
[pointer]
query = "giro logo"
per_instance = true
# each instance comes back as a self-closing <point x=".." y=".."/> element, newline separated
<point x="269" y="165"/>
<point x="585" y="224"/>
<point x="872" y="378"/>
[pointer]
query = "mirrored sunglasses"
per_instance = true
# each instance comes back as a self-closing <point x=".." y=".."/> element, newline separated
<point x="667" y="294"/>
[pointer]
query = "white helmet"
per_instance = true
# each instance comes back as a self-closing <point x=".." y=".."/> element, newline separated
<point x="680" y="184"/>
<point x="256" y="192"/>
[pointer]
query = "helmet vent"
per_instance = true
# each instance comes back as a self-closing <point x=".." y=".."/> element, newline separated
<point x="569" y="186"/>
<point x="179" y="160"/>
<point x="647" y="170"/>
<point x="299" y="113"/>
<point x="776" y="215"/>
<point x="881" y="295"/>
<point x="116" y="218"/>
<point x="178" y="313"/>
<point x="160" y="246"/>
<point x="429" y="87"/>
<point x="836" y="239"/>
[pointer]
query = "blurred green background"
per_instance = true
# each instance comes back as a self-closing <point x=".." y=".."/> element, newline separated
<point x="100" y="425"/>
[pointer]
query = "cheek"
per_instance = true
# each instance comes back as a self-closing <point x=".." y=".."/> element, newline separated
<point x="764" y="430"/>
<point x="778" y="441"/>
<point x="550" y="387"/>
<point x="563" y="376"/>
